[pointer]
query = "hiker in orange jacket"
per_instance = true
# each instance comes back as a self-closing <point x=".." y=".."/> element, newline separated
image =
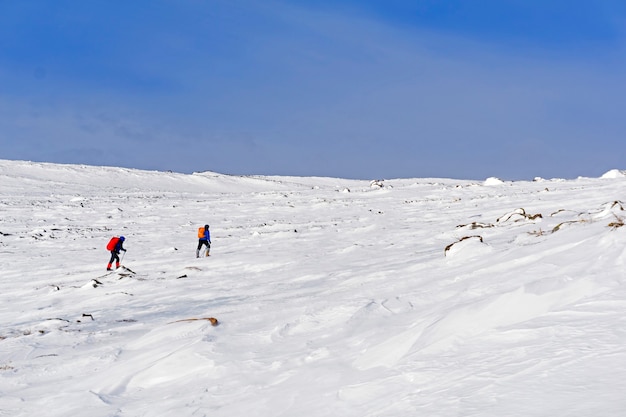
<point x="115" y="246"/>
<point x="204" y="238"/>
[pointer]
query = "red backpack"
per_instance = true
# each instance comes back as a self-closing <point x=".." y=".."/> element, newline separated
<point x="112" y="243"/>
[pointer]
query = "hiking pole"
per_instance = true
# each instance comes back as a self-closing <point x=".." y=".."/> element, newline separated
<point x="124" y="254"/>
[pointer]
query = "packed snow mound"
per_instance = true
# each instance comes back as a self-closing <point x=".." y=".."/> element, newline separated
<point x="493" y="181"/>
<point x="614" y="173"/>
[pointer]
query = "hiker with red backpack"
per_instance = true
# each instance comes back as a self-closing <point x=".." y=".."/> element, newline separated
<point x="115" y="246"/>
<point x="204" y="238"/>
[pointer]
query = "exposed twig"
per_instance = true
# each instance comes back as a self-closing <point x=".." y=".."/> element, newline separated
<point x="213" y="320"/>
<point x="619" y="222"/>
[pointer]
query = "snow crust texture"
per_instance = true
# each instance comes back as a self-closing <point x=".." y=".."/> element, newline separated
<point x="433" y="297"/>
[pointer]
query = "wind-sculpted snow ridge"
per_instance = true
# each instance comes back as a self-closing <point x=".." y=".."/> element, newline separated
<point x="333" y="297"/>
<point x="48" y="177"/>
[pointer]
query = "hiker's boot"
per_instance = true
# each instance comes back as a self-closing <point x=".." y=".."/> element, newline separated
<point x="109" y="267"/>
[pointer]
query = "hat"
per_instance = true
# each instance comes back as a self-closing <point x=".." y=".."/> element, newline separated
<point x="122" y="238"/>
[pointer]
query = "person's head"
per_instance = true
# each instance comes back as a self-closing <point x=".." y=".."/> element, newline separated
<point x="122" y="238"/>
<point x="206" y="226"/>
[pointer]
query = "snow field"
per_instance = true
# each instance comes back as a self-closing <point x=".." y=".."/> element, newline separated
<point x="426" y="296"/>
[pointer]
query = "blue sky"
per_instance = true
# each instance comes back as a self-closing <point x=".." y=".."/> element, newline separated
<point x="356" y="89"/>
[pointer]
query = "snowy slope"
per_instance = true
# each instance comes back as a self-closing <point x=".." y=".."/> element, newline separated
<point x="432" y="297"/>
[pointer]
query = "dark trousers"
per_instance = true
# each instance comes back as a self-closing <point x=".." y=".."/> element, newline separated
<point x="114" y="257"/>
<point x="203" y="242"/>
